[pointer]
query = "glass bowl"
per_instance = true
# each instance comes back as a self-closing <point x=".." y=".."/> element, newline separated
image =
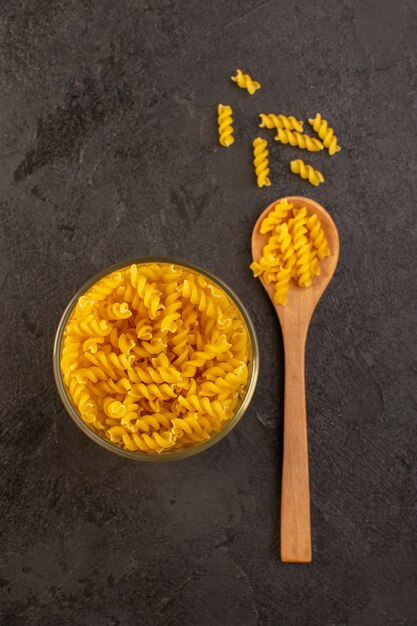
<point x="169" y="455"/>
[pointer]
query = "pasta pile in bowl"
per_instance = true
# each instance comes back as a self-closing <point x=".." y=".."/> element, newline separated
<point x="155" y="359"/>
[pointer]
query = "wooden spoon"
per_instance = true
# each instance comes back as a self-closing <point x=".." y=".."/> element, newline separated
<point x="295" y="318"/>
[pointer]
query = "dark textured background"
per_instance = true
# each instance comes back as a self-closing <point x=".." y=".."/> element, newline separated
<point x="108" y="151"/>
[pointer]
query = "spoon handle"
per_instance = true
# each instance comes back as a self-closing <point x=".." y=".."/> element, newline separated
<point x="295" y="494"/>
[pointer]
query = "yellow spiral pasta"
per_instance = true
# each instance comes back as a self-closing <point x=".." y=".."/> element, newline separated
<point x="325" y="133"/>
<point x="111" y="360"/>
<point x="192" y="427"/>
<point x="282" y="281"/>
<point x="153" y="442"/>
<point x="289" y="122"/>
<point x="102" y="289"/>
<point x="244" y="81"/>
<point x="299" y="140"/>
<point x="225" y="381"/>
<point x="119" y="386"/>
<point x="118" y="311"/>
<point x="302" y="248"/>
<point x="213" y="408"/>
<point x="287" y="249"/>
<point x="90" y="327"/>
<point x="83" y="399"/>
<point x="277" y="214"/>
<point x="156" y="357"/>
<point x="307" y="172"/>
<point x="146" y="290"/>
<point x="318" y="237"/>
<point x="225" y="121"/>
<point x="296" y="243"/>
<point x="260" y="162"/>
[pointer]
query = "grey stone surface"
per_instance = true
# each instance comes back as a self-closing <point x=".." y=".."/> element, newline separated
<point x="108" y="151"/>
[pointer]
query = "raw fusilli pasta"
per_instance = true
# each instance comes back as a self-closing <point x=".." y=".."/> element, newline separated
<point x="307" y="172"/>
<point x="293" y="138"/>
<point x="318" y="237"/>
<point x="225" y="121"/>
<point x="296" y="243"/>
<point x="260" y="162"/>
<point x="325" y="133"/>
<point x="156" y="357"/>
<point x="270" y="120"/>
<point x="244" y="81"/>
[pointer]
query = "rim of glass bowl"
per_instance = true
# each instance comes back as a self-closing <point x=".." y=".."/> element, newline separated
<point x="164" y="456"/>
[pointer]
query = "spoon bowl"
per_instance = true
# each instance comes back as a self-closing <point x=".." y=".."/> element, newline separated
<point x="295" y="318"/>
<point x="297" y="295"/>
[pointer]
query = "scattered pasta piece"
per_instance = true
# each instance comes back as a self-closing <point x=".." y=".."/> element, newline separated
<point x="293" y="138"/>
<point x="260" y="162"/>
<point x="225" y="121"/>
<point x="244" y="81"/>
<point x="296" y="243"/>
<point x="155" y="357"/>
<point x="307" y="172"/>
<point x="269" y="120"/>
<point x="325" y="133"/>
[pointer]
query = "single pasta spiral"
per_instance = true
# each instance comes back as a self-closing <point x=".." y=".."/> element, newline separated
<point x="193" y="427"/>
<point x="131" y="414"/>
<point x="204" y="405"/>
<point x="307" y="172"/>
<point x="160" y="371"/>
<point x="158" y="375"/>
<point x="270" y="120"/>
<point x="244" y="81"/>
<point x="147" y="291"/>
<point x="210" y="351"/>
<point x="90" y="327"/>
<point x="275" y="216"/>
<point x="147" y="423"/>
<point x="84" y="401"/>
<point x="144" y="442"/>
<point x="325" y="133"/>
<point x="93" y="374"/>
<point x="111" y="360"/>
<point x="69" y="354"/>
<point x="289" y="258"/>
<point x="225" y="120"/>
<point x="318" y="236"/>
<point x="293" y="138"/>
<point x="114" y="409"/>
<point x="198" y="296"/>
<point x="302" y="247"/>
<point x="172" y="306"/>
<point x="220" y="369"/>
<point x="118" y="311"/>
<point x="120" y="386"/>
<point x="125" y="343"/>
<point x="104" y="287"/>
<point x="260" y="162"/>
<point x="281" y="285"/>
<point x="143" y="330"/>
<point x="262" y="267"/>
<point x="287" y="248"/>
<point x="230" y="380"/>
<point x="153" y="391"/>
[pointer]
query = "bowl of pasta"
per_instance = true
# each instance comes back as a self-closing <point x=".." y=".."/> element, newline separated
<point x="155" y="359"/>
